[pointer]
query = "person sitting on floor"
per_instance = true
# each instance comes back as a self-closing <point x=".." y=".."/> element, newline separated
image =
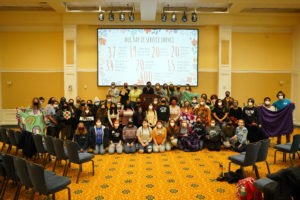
<point x="240" y="137"/>
<point x="213" y="136"/>
<point x="81" y="138"/>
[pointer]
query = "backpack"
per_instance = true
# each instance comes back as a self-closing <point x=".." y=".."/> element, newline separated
<point x="250" y="189"/>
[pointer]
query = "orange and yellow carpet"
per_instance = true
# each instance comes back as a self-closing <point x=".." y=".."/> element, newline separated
<point x="173" y="175"/>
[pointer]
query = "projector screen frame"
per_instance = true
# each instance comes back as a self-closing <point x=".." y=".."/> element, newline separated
<point x="196" y="29"/>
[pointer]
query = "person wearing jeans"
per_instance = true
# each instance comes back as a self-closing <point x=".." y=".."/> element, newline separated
<point x="98" y="138"/>
<point x="144" y="135"/>
<point x="159" y="135"/>
<point x="115" y="137"/>
<point x="129" y="137"/>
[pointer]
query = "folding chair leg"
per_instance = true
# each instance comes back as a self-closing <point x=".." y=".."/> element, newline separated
<point x="18" y="191"/>
<point x="65" y="168"/>
<point x="243" y="171"/>
<point x="69" y="193"/>
<point x="93" y="165"/>
<point x="268" y="167"/>
<point x="2" y="186"/>
<point x="66" y="173"/>
<point x="229" y="166"/>
<point x="54" y="164"/>
<point x="32" y="195"/>
<point x="80" y="169"/>
<point x="3" y="191"/>
<point x="256" y="171"/>
<point x="291" y="159"/>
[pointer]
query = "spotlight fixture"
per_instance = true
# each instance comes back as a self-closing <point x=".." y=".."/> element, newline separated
<point x="194" y="17"/>
<point x="101" y="16"/>
<point x="122" y="17"/>
<point x="163" y="17"/>
<point x="131" y="16"/>
<point x="174" y="17"/>
<point x="111" y="16"/>
<point x="184" y="18"/>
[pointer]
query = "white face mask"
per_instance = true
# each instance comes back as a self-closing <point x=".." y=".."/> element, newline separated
<point x="145" y="125"/>
<point x="150" y="107"/>
<point x="194" y="101"/>
<point x="219" y="104"/>
<point x="117" y="125"/>
<point x="98" y="123"/>
<point x="280" y="97"/>
<point x="55" y="106"/>
<point x="267" y="102"/>
<point x="172" y="124"/>
<point x="159" y="126"/>
<point x="87" y="111"/>
<point x="201" y="103"/>
<point x="157" y="87"/>
<point x="250" y="103"/>
<point x="155" y="102"/>
<point x="241" y="124"/>
<point x="212" y="124"/>
<point x="183" y="125"/>
<point x="108" y="100"/>
<point x="119" y="106"/>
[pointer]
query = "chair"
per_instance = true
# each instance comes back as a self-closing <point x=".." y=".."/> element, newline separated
<point x="78" y="158"/>
<point x="290" y="148"/>
<point x="50" y="148"/>
<point x="247" y="159"/>
<point x="45" y="184"/>
<point x="12" y="140"/>
<point x="60" y="152"/>
<point x="5" y="140"/>
<point x="261" y="183"/>
<point x="10" y="172"/>
<point x="40" y="147"/>
<point x="263" y="152"/>
<point x="22" y="171"/>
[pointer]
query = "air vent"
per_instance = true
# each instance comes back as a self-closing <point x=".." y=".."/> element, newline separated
<point x="25" y="6"/>
<point x="271" y="10"/>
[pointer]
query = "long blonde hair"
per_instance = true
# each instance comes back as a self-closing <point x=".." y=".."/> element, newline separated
<point x="77" y="132"/>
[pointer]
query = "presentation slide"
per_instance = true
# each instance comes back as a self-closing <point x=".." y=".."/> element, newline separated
<point x="136" y="56"/>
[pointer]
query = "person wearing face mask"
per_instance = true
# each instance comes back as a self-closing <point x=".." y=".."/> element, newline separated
<point x="188" y="88"/>
<point x="174" y="110"/>
<point x="220" y="113"/>
<point x="129" y="137"/>
<point x="138" y="104"/>
<point x="148" y="89"/>
<point x="178" y="95"/>
<point x="187" y="109"/>
<point x="112" y="114"/>
<point x="144" y="136"/>
<point x="113" y="91"/>
<point x="163" y="112"/>
<point x="250" y="114"/>
<point x="98" y="137"/>
<point x="119" y="109"/>
<point x="213" y="136"/>
<point x="73" y="117"/>
<point x="138" y="116"/>
<point x="115" y="138"/>
<point x="124" y="94"/>
<point x="42" y="100"/>
<point x="204" y="96"/>
<point x="87" y="118"/>
<point x="151" y="116"/>
<point x="64" y="119"/>
<point x="127" y="113"/>
<point x="89" y="103"/>
<point x="172" y="135"/>
<point x="267" y="104"/>
<point x="52" y="124"/>
<point x="108" y="101"/>
<point x="199" y="130"/>
<point x="172" y="90"/>
<point x="159" y="91"/>
<point x="194" y="103"/>
<point x="155" y="103"/>
<point x="166" y="90"/>
<point x="235" y="113"/>
<point x="81" y="138"/>
<point x="209" y="104"/>
<point x="62" y="100"/>
<point x="187" y="94"/>
<point x="133" y="94"/>
<point x="184" y="130"/>
<point x="159" y="135"/>
<point x="226" y="100"/>
<point x="203" y="112"/>
<point x="227" y="133"/>
<point x="79" y="111"/>
<point x="78" y="101"/>
<point x="240" y="137"/>
<point x="102" y="114"/>
<point x="188" y="140"/>
<point x="96" y="106"/>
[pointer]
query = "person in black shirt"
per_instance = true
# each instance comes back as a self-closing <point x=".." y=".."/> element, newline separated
<point x="235" y="113"/>
<point x="199" y="129"/>
<point x="124" y="92"/>
<point x="220" y="113"/>
<point x="64" y="119"/>
<point x="115" y="138"/>
<point x="138" y="116"/>
<point x="163" y="112"/>
<point x="148" y="89"/>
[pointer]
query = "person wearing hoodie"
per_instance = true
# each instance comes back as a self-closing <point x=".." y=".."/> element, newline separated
<point x="81" y="138"/>
<point x="95" y="107"/>
<point x="102" y="114"/>
<point x="98" y="137"/>
<point x="144" y="136"/>
<point x="213" y="136"/>
<point x="64" y="119"/>
<point x="199" y="130"/>
<point x="115" y="138"/>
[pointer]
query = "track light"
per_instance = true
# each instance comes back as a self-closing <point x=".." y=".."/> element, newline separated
<point x="174" y="17"/>
<point x="184" y="18"/>
<point x="163" y="17"/>
<point x="111" y="16"/>
<point x="122" y="17"/>
<point x="194" y="17"/>
<point x="131" y="17"/>
<point x="101" y="16"/>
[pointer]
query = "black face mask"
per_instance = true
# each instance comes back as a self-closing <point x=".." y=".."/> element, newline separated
<point x="198" y="122"/>
<point x="178" y="88"/>
<point x="36" y="103"/>
<point x="103" y="108"/>
<point x="163" y="101"/>
<point x="229" y="124"/>
<point x="208" y="103"/>
<point x="82" y="104"/>
<point x="71" y="103"/>
<point x="135" y="87"/>
<point x="227" y="95"/>
<point x="148" y="86"/>
<point x="90" y="105"/>
<point x="130" y="124"/>
<point x="65" y="107"/>
<point x="125" y="86"/>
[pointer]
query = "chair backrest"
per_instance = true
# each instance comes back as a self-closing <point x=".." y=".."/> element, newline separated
<point x="49" y="145"/>
<point x="251" y="153"/>
<point x="5" y="138"/>
<point x="22" y="171"/>
<point x="72" y="148"/>
<point x="59" y="148"/>
<point x="296" y="143"/>
<point x="17" y="136"/>
<point x="263" y="150"/>
<point x="38" y="143"/>
<point x="9" y="167"/>
<point x="2" y="130"/>
<point x="37" y="177"/>
<point x="12" y="138"/>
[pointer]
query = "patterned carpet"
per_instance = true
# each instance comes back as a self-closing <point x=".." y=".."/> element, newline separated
<point x="171" y="175"/>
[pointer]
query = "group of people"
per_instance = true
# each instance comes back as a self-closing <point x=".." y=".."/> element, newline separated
<point x="175" y="119"/>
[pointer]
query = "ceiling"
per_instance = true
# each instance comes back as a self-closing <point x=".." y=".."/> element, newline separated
<point x="148" y="10"/>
